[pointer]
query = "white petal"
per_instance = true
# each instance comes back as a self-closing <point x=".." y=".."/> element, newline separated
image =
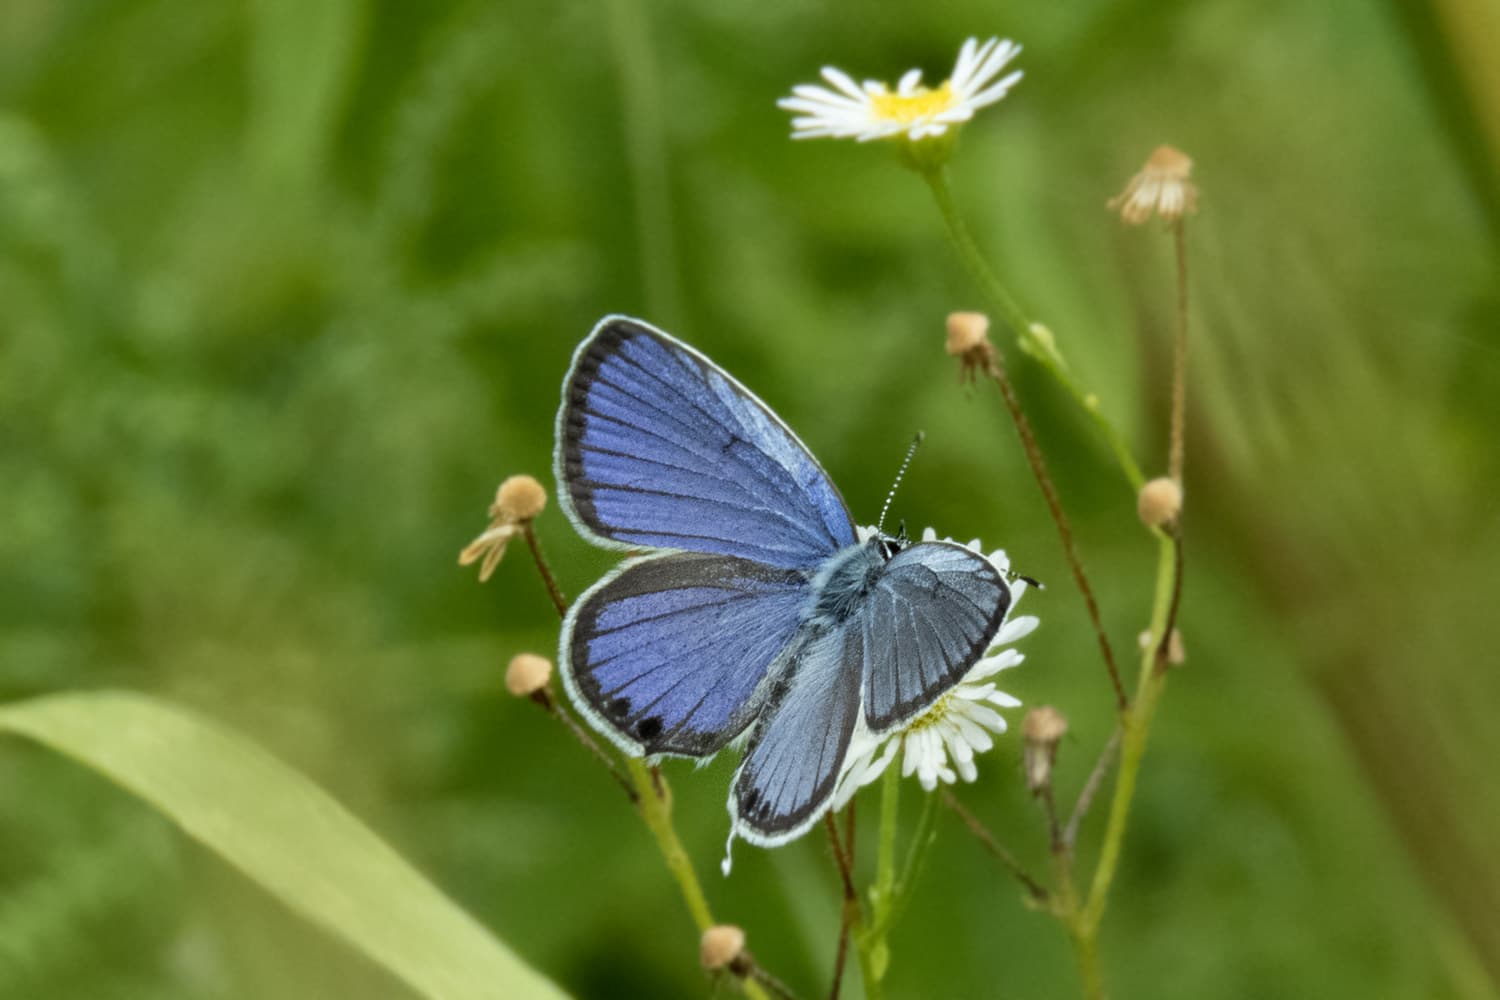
<point x="953" y="116"/>
<point x="1016" y="629"/>
<point x="843" y="81"/>
<point x="964" y="71"/>
<point x="977" y="736"/>
<point x="908" y="83"/>
<point x="987" y="717"/>
<point x="965" y="57"/>
<point x="1004" y="700"/>
<point x="994" y="62"/>
<point x="993" y="94"/>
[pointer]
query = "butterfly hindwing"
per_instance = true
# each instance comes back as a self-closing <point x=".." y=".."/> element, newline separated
<point x="929" y="617"/>
<point x="798" y="748"/>
<point x="671" y="653"/>
<point x="658" y="447"/>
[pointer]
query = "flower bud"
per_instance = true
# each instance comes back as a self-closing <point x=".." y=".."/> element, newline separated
<point x="722" y="946"/>
<point x="1041" y="730"/>
<point x="520" y="498"/>
<point x="527" y="674"/>
<point x="1159" y="502"/>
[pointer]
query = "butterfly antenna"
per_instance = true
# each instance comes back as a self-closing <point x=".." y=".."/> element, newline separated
<point x="899" y="473"/>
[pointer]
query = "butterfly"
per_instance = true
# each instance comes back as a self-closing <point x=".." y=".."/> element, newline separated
<point x="752" y="607"/>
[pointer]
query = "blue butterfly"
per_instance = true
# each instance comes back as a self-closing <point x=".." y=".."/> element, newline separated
<point x="757" y="608"/>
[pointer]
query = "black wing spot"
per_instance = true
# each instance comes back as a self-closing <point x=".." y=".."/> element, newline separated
<point x="648" y="729"/>
<point x="619" y="707"/>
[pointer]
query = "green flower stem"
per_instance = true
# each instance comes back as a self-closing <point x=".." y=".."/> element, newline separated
<point x="1136" y="725"/>
<point x="885" y="854"/>
<point x="656" y="810"/>
<point x="1033" y="338"/>
<point x="916" y="857"/>
<point x="655" y="803"/>
<point x="874" y="953"/>
<point x="1083" y="921"/>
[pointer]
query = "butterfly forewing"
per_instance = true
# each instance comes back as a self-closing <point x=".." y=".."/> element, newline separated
<point x="671" y="653"/>
<point x="929" y="617"/>
<point x="660" y="448"/>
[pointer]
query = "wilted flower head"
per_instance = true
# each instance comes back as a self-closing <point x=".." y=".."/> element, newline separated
<point x="517" y="501"/>
<point x="912" y="111"/>
<point x="1161" y="187"/>
<point x="940" y="744"/>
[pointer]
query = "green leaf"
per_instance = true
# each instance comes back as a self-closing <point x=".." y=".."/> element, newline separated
<point x="283" y="831"/>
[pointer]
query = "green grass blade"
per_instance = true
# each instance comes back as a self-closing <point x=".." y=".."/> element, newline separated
<point x="283" y="831"/>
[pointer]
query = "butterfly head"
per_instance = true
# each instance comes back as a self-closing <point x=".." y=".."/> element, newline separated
<point x="889" y="545"/>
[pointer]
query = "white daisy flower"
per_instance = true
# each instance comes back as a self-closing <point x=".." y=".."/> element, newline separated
<point x="941" y="743"/>
<point x="873" y="111"/>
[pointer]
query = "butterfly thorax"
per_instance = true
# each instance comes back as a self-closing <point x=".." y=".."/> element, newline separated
<point x="841" y="583"/>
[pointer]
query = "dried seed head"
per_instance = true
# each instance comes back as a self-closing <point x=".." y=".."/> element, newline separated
<point x="1041" y="730"/>
<point x="527" y="674"/>
<point x="1159" y="502"/>
<point x="520" y="498"/>
<point x="1161" y="188"/>
<point x="1044" y="724"/>
<point x="968" y="340"/>
<point x="722" y="946"/>
<point x="966" y="331"/>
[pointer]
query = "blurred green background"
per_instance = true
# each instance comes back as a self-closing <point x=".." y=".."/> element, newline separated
<point x="287" y="288"/>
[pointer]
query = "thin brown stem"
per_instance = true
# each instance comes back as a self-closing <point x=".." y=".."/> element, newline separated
<point x="842" y="957"/>
<point x="548" y="580"/>
<point x="849" y="831"/>
<point x="846" y="873"/>
<point x="1091" y="789"/>
<point x="995" y="369"/>
<point x="1179" y="357"/>
<point x="846" y="911"/>
<point x="545" y="699"/>
<point x="987" y="839"/>
<point x="758" y="974"/>
<point x="1054" y="830"/>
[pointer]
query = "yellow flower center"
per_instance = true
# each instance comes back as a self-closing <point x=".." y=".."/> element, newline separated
<point x="911" y="107"/>
<point x="932" y="715"/>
